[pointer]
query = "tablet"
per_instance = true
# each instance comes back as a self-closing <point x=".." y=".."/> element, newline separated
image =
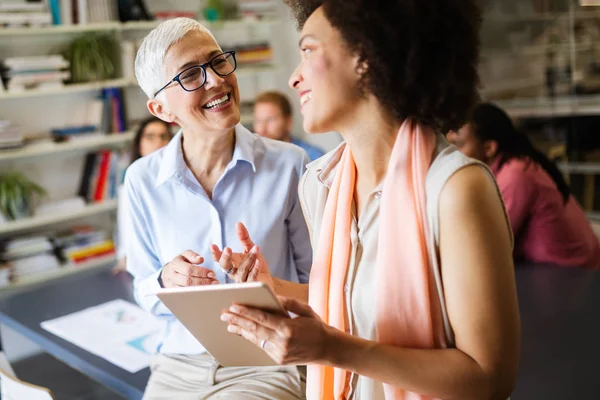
<point x="199" y="309"/>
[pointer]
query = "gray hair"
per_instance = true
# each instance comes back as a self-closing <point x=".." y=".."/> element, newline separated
<point x="149" y="65"/>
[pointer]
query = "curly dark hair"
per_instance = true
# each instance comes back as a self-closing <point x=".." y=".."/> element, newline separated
<point x="422" y="55"/>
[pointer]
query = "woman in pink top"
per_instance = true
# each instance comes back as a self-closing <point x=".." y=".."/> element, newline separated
<point x="548" y="224"/>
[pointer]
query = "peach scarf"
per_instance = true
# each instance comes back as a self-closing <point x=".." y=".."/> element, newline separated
<point x="406" y="314"/>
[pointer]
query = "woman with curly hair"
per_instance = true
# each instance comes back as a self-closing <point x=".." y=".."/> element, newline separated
<point x="412" y="290"/>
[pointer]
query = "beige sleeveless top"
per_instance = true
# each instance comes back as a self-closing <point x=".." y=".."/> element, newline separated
<point x="360" y="287"/>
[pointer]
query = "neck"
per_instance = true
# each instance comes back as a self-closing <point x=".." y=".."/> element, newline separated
<point x="371" y="135"/>
<point x="208" y="155"/>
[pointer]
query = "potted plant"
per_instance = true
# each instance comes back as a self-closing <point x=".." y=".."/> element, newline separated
<point x="92" y="57"/>
<point x="17" y="194"/>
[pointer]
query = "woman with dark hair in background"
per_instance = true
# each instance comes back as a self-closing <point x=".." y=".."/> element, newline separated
<point x="548" y="224"/>
<point x="152" y="134"/>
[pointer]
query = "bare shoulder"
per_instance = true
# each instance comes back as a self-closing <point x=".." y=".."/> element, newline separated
<point x="470" y="188"/>
<point x="471" y="200"/>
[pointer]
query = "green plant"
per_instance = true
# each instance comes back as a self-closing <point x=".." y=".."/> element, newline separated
<point x="17" y="194"/>
<point x="92" y="57"/>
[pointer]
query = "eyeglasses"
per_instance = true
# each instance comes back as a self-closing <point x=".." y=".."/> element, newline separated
<point x="193" y="78"/>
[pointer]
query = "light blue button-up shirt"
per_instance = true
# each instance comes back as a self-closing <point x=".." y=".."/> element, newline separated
<point x="169" y="212"/>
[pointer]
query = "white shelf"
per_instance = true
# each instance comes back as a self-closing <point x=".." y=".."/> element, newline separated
<point x="69" y="88"/>
<point x="546" y="108"/>
<point x="79" y="145"/>
<point x="27" y="224"/>
<point x="583" y="168"/>
<point x="510" y="85"/>
<point x="66" y="270"/>
<point x="56" y="29"/>
<point x="118" y="26"/>
<point x="583" y="14"/>
<point x="538" y="50"/>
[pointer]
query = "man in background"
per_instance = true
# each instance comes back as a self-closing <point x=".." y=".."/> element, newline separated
<point x="273" y="120"/>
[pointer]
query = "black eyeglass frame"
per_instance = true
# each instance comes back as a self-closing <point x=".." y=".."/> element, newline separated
<point x="203" y="68"/>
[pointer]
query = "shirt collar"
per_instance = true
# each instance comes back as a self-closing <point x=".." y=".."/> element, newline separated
<point x="173" y="163"/>
<point x="326" y="166"/>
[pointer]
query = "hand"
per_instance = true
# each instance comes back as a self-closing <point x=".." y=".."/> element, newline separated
<point x="302" y="340"/>
<point x="248" y="266"/>
<point x="181" y="271"/>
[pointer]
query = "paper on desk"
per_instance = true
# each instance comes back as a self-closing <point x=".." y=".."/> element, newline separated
<point x="12" y="388"/>
<point x="118" y="331"/>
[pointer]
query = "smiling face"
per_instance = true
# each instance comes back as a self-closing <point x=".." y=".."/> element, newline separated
<point x="212" y="108"/>
<point x="327" y="77"/>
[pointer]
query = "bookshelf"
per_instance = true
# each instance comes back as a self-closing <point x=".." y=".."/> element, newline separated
<point x="20" y="226"/>
<point x="540" y="62"/>
<point x="59" y="166"/>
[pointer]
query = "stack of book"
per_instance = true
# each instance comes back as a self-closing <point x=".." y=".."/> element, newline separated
<point x="21" y="14"/>
<point x="258" y="9"/>
<point x="36" y="72"/>
<point x="29" y="256"/>
<point x="101" y="176"/>
<point x="11" y="136"/>
<point x="259" y="53"/>
<point x="96" y="117"/>
<point x="84" y="243"/>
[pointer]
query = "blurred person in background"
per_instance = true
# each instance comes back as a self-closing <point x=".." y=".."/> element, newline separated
<point x="273" y="119"/>
<point x="548" y="223"/>
<point x="152" y="134"/>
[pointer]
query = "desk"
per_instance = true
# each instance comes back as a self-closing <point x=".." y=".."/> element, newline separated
<point x="560" y="318"/>
<point x="560" y="322"/>
<point x="24" y="312"/>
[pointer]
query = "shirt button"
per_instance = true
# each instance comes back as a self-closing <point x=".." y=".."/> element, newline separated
<point x="346" y="288"/>
<point x="378" y="195"/>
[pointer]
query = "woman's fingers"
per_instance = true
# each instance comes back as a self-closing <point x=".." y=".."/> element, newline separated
<point x="244" y="236"/>
<point x="241" y="313"/>
<point x="226" y="262"/>
<point x="215" y="252"/>
<point x="255" y="270"/>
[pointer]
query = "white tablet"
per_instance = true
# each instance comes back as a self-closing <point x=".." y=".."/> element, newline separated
<point x="199" y="309"/>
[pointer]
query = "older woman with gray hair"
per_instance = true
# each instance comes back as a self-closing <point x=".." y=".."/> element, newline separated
<point x="185" y="198"/>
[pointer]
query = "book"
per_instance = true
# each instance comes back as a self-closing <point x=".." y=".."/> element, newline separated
<point x="82" y="15"/>
<point x="102" y="176"/>
<point x="66" y="12"/>
<point x="55" y="11"/>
